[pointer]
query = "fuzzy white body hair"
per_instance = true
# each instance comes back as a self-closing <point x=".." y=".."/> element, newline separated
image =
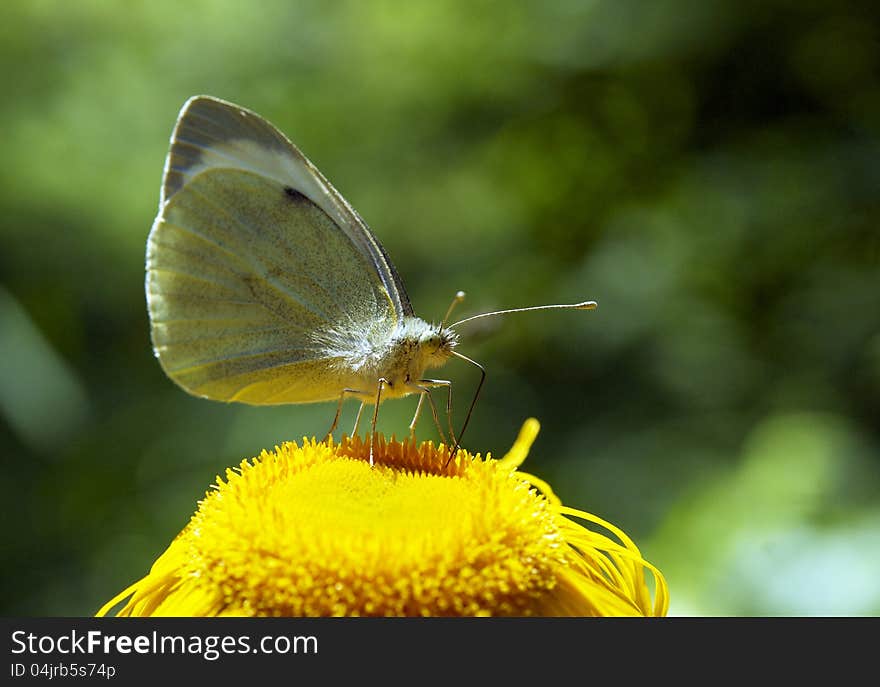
<point x="364" y="352"/>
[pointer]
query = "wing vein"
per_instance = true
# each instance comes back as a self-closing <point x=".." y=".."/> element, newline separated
<point x="190" y="275"/>
<point x="244" y="356"/>
<point x="206" y="239"/>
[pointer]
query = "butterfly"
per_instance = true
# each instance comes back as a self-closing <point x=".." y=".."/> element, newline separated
<point x="264" y="286"/>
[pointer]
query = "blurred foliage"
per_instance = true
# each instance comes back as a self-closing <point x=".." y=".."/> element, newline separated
<point x="707" y="171"/>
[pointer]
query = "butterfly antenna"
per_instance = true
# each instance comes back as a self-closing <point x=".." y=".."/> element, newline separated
<point x="586" y="305"/>
<point x="458" y="298"/>
<point x="467" y="418"/>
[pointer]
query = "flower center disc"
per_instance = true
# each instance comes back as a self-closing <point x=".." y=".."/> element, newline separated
<point x="316" y="530"/>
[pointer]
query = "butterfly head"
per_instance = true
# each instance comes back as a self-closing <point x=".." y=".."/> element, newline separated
<point x="436" y="345"/>
<point x="419" y="346"/>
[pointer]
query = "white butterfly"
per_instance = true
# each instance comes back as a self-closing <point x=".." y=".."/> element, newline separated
<point x="265" y="287"/>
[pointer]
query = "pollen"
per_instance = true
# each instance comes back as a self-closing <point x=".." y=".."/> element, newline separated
<point x="311" y="529"/>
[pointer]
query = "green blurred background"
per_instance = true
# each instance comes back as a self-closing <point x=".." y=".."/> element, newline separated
<point x="707" y="171"/>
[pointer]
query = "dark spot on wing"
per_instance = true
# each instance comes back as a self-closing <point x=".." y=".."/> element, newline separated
<point x="295" y="195"/>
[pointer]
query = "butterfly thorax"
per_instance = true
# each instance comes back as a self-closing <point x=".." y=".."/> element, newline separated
<point x="399" y="357"/>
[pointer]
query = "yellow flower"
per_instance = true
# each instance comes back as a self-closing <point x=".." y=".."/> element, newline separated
<point x="314" y="530"/>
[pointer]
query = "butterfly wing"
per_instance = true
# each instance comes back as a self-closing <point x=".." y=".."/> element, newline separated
<point x="262" y="282"/>
<point x="213" y="133"/>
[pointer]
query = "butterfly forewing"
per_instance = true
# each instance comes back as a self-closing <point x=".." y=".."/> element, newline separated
<point x="214" y="133"/>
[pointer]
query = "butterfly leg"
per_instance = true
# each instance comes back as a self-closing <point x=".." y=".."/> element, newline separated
<point x="434" y="383"/>
<point x="467" y="417"/>
<point x="357" y="420"/>
<point x="412" y="425"/>
<point x="425" y="392"/>
<point x="342" y="396"/>
<point x="379" y="387"/>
